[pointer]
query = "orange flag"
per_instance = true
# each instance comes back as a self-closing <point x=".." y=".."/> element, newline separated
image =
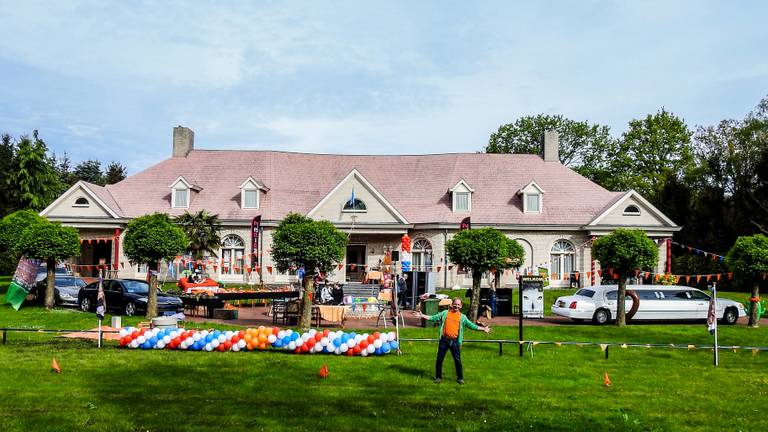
<point x="55" y="366"/>
<point x="269" y="269"/>
<point x="341" y="266"/>
<point x="606" y="380"/>
<point x="438" y="268"/>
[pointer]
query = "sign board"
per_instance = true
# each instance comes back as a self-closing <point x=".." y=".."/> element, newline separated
<point x="532" y="296"/>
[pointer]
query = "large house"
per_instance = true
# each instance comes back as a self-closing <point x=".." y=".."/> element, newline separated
<point x="552" y="211"/>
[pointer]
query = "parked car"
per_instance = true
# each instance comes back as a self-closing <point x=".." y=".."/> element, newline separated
<point x="60" y="270"/>
<point x="66" y="290"/>
<point x="657" y="302"/>
<point x="128" y="297"/>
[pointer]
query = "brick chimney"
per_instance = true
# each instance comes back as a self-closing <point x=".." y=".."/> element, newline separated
<point x="550" y="146"/>
<point x="183" y="141"/>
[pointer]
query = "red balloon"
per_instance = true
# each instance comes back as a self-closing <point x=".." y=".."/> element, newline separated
<point x="304" y="348"/>
<point x="235" y="339"/>
<point x="363" y="344"/>
<point x="142" y="331"/>
<point x="275" y="331"/>
<point x="350" y="352"/>
<point x="122" y="341"/>
<point x="371" y="339"/>
<point x="376" y="335"/>
<point x="326" y="332"/>
<point x="311" y="343"/>
<point x="357" y="349"/>
<point x="318" y="336"/>
<point x="135" y="334"/>
<point x="297" y="350"/>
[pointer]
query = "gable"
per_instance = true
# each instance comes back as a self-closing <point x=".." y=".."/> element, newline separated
<point x="378" y="209"/>
<point x="648" y="216"/>
<point x="66" y="205"/>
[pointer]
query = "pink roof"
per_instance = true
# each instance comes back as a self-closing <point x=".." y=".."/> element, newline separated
<point x="417" y="186"/>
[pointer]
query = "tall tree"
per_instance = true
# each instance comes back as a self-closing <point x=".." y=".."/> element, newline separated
<point x="11" y="228"/>
<point x="149" y="239"/>
<point x="51" y="242"/>
<point x="202" y="230"/>
<point x="625" y="251"/>
<point x="580" y="142"/>
<point x="116" y="172"/>
<point x="90" y="171"/>
<point x="64" y="169"/>
<point x="748" y="260"/>
<point x="7" y="151"/>
<point x="315" y="245"/>
<point x="33" y="182"/>
<point x="482" y="250"/>
<point x="652" y="151"/>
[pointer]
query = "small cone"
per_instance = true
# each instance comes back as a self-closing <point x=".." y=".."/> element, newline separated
<point x="55" y="366"/>
<point x="606" y="380"/>
<point x="324" y="371"/>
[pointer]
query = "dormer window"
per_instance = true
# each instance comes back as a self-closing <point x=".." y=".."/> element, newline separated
<point x="355" y="205"/>
<point x="81" y="202"/>
<point x="532" y="197"/>
<point x="632" y="210"/>
<point x="249" y="193"/>
<point x="461" y="197"/>
<point x="180" y="192"/>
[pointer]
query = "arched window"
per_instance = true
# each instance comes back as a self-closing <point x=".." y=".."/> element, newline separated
<point x="561" y="258"/>
<point x="527" y="264"/>
<point x="421" y="255"/>
<point x="81" y="202"/>
<point x="232" y="253"/>
<point x="632" y="210"/>
<point x="355" y="205"/>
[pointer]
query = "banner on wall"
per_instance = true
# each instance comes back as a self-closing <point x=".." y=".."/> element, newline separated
<point x="255" y="227"/>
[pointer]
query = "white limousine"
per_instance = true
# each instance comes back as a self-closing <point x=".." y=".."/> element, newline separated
<point x="657" y="302"/>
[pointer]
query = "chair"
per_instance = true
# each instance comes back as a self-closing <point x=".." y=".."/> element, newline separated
<point x="384" y="302"/>
<point x="279" y="311"/>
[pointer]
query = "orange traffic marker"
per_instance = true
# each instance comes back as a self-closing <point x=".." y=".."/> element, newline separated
<point x="324" y="371"/>
<point x="55" y="366"/>
<point x="606" y="380"/>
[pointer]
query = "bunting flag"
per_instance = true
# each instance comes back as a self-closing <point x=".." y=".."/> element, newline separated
<point x="450" y="267"/>
<point x="341" y="266"/>
<point x="438" y="268"/>
<point x="269" y="269"/>
<point x="215" y="268"/>
<point x="352" y="267"/>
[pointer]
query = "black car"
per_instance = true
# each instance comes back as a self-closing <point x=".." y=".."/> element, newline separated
<point x="128" y="297"/>
<point x="67" y="289"/>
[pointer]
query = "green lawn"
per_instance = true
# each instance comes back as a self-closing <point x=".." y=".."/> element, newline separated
<point x="553" y="389"/>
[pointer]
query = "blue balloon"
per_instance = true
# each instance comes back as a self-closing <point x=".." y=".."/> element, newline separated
<point x="337" y="342"/>
<point x="344" y="338"/>
<point x="278" y="343"/>
<point x="378" y="351"/>
<point x="353" y="335"/>
<point x="146" y="345"/>
<point x="286" y="340"/>
<point x="385" y="348"/>
<point x="294" y="336"/>
<point x="393" y="344"/>
<point x="208" y="337"/>
<point x="153" y="341"/>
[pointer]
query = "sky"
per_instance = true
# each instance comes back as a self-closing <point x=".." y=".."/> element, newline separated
<point x="109" y="80"/>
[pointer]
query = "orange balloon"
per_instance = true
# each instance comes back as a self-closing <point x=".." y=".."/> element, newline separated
<point x="248" y="337"/>
<point x="262" y="346"/>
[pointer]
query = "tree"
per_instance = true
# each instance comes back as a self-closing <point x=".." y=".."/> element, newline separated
<point x="7" y="150"/>
<point x="51" y="242"/>
<point x="33" y="181"/>
<point x="116" y="172"/>
<point x="748" y="260"/>
<point x="64" y="170"/>
<point x="149" y="239"/>
<point x="90" y="171"/>
<point x="650" y="152"/>
<point x="482" y="250"/>
<point x="316" y="245"/>
<point x="11" y="228"/>
<point x="202" y="231"/>
<point x="623" y="252"/>
<point x="579" y="141"/>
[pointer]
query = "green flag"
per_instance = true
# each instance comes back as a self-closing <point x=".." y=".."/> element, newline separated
<point x="23" y="279"/>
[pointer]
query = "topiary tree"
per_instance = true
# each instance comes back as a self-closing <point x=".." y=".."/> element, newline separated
<point x="316" y="245"/>
<point x="748" y="260"/>
<point x="149" y="239"/>
<point x="50" y="242"/>
<point x="11" y="228"/>
<point x="482" y="250"/>
<point x="623" y="252"/>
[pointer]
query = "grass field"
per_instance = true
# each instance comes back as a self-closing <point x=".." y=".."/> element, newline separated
<point x="554" y="389"/>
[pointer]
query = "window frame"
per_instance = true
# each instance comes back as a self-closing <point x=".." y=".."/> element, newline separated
<point x="357" y="201"/>
<point x="81" y="205"/>
<point x="455" y="197"/>
<point x="243" y="200"/>
<point x="628" y="212"/>
<point x="174" y="200"/>
<point x="526" y="208"/>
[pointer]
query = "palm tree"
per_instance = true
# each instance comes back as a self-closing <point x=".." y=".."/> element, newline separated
<point x="202" y="230"/>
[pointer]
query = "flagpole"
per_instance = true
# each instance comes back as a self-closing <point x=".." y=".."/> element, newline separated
<point x="714" y="296"/>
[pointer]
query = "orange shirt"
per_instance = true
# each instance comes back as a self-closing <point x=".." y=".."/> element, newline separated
<point x="452" y="323"/>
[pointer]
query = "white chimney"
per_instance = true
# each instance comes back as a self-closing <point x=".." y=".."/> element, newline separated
<point x="550" y="146"/>
<point x="183" y="141"/>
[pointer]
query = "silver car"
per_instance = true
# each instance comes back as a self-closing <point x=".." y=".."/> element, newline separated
<point x="657" y="302"/>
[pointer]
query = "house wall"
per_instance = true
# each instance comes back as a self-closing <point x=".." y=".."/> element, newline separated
<point x="332" y="208"/>
<point x="617" y="217"/>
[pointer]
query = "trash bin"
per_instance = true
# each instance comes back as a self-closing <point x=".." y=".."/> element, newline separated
<point x="430" y="307"/>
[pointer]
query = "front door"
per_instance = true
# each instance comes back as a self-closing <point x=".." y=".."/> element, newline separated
<point x="355" y="263"/>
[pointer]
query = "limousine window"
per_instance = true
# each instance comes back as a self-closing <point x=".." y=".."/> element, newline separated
<point x="698" y="295"/>
<point x="613" y="295"/>
<point x="585" y="292"/>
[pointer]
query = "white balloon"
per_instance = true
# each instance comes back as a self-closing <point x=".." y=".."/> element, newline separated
<point x="291" y="345"/>
<point x="312" y="332"/>
<point x="324" y="341"/>
<point x="241" y="344"/>
<point x="160" y="345"/>
<point x="141" y="339"/>
<point x="166" y="339"/>
<point x="208" y="347"/>
<point x="281" y="334"/>
<point x="183" y="345"/>
<point x="337" y="351"/>
<point x="305" y="337"/>
<point x="358" y="338"/>
<point x="343" y="348"/>
<point x="123" y="332"/>
<point x="339" y="333"/>
<point x="214" y="343"/>
<point x="196" y="336"/>
<point x="371" y="349"/>
<point x="376" y="344"/>
<point x="222" y="338"/>
<point x="351" y="343"/>
<point x="134" y="343"/>
<point x="288" y="332"/>
<point x="364" y="353"/>
<point x="204" y="333"/>
<point x="271" y="338"/>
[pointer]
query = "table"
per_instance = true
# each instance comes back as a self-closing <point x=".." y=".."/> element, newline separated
<point x="333" y="314"/>
<point x="217" y="301"/>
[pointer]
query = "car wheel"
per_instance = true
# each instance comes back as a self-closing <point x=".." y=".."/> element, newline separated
<point x="85" y="304"/>
<point x="730" y="316"/>
<point x="601" y="317"/>
<point x="130" y="309"/>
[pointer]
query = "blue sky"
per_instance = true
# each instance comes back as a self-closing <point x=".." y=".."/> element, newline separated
<point x="109" y="80"/>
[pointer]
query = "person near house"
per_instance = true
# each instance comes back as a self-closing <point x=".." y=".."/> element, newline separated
<point x="402" y="286"/>
<point x="493" y="300"/>
<point x="452" y="323"/>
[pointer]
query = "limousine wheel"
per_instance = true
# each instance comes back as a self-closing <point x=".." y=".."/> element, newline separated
<point x="730" y="316"/>
<point x="601" y="316"/>
<point x="85" y="304"/>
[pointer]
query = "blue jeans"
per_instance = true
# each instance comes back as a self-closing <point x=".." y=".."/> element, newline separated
<point x="494" y="300"/>
<point x="452" y="345"/>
